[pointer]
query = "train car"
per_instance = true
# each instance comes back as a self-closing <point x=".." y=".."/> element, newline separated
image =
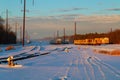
<point x="56" y="41"/>
<point x="59" y="41"/>
<point x="95" y="41"/>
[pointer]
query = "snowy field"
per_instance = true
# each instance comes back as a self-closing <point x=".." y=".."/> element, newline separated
<point x="78" y="63"/>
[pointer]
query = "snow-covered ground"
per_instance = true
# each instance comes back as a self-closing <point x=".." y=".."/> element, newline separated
<point x="79" y="63"/>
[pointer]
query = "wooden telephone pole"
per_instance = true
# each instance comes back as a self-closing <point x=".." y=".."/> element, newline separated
<point x="75" y="31"/>
<point x="57" y="33"/>
<point x="6" y="20"/>
<point x="6" y="25"/>
<point x="64" y="35"/>
<point x="24" y="15"/>
<point x="20" y="33"/>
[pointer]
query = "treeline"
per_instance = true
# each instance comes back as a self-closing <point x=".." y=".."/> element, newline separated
<point x="113" y="36"/>
<point x="6" y="35"/>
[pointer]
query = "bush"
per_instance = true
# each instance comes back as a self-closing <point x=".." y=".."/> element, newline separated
<point x="9" y="48"/>
<point x="115" y="52"/>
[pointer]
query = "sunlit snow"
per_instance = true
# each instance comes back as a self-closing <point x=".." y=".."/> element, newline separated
<point x="79" y="63"/>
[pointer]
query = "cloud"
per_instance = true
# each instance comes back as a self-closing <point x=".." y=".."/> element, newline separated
<point x="40" y="27"/>
<point x="113" y="9"/>
<point x="72" y="9"/>
<point x="91" y="18"/>
<point x="85" y="18"/>
<point x="72" y="17"/>
<point x="100" y="18"/>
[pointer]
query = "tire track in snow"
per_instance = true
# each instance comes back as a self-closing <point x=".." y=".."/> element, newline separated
<point x="65" y="68"/>
<point x="84" y="68"/>
<point x="79" y="62"/>
<point x="59" y="75"/>
<point x="68" y="69"/>
<point x="99" y="68"/>
<point x="89" y="67"/>
<point x="74" y="69"/>
<point x="68" y="72"/>
<point x="84" y="64"/>
<point x="110" y="68"/>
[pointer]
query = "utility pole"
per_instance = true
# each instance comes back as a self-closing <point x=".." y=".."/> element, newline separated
<point x="64" y="35"/>
<point x="6" y="20"/>
<point x="75" y="28"/>
<point x="20" y="34"/>
<point x="24" y="14"/>
<point x="111" y="30"/>
<point x="16" y="25"/>
<point x="54" y="36"/>
<point x="75" y="31"/>
<point x="6" y="25"/>
<point x="57" y="33"/>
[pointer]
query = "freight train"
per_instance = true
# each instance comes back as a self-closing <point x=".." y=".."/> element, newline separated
<point x="95" y="41"/>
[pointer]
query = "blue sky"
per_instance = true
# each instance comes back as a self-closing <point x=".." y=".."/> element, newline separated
<point x="45" y="17"/>
<point x="56" y="7"/>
